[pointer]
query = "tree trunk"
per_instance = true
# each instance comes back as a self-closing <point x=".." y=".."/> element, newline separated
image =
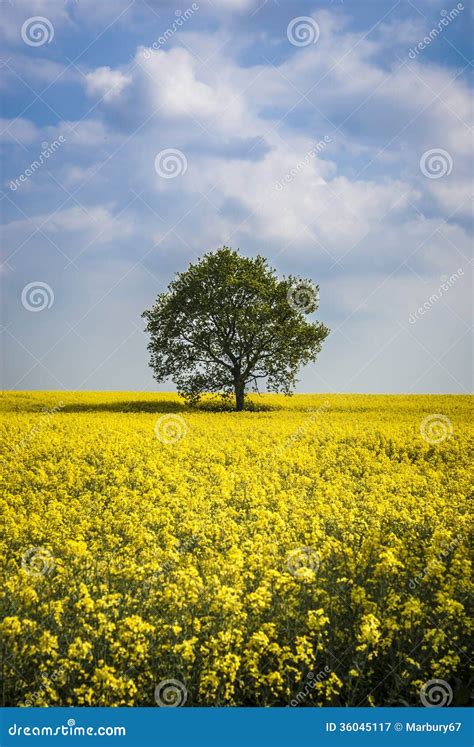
<point x="239" y="396"/>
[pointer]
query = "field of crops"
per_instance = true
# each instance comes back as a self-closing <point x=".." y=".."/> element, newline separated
<point x="311" y="552"/>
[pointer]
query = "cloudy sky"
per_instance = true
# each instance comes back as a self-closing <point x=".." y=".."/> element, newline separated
<point x="334" y="138"/>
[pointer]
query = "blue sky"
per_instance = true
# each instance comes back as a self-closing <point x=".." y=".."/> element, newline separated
<point x="241" y="91"/>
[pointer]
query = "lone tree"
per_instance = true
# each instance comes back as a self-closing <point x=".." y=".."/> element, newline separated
<point x="228" y="321"/>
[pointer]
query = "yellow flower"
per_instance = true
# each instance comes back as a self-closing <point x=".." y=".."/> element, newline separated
<point x="320" y="535"/>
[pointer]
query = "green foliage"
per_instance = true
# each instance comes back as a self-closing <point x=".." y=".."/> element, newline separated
<point x="228" y="322"/>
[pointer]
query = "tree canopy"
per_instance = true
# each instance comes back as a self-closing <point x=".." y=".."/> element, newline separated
<point x="228" y="322"/>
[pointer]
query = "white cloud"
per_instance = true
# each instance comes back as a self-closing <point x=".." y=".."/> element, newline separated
<point x="234" y="4"/>
<point x="106" y="83"/>
<point x="18" y="130"/>
<point x="98" y="224"/>
<point x="322" y="208"/>
<point x="453" y="197"/>
<point x="174" y="83"/>
<point x="243" y="128"/>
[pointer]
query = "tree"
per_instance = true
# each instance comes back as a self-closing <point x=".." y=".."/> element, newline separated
<point x="227" y="322"/>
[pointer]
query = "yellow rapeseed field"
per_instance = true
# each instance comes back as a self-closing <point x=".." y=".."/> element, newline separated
<point x="311" y="552"/>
